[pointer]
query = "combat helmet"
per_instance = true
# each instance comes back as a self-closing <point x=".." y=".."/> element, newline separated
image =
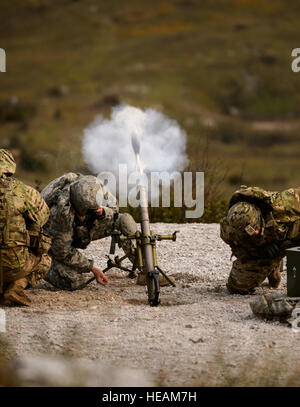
<point x="7" y="163"/>
<point x="245" y="217"/>
<point x="85" y="194"/>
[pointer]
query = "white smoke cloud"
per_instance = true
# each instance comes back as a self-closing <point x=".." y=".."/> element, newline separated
<point x="107" y="142"/>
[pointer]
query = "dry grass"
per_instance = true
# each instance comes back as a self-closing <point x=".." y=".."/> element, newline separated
<point x="203" y="65"/>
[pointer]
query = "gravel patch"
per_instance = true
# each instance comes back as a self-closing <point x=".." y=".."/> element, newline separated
<point x="178" y="342"/>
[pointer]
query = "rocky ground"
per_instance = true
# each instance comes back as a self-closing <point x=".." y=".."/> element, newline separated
<point x="199" y="335"/>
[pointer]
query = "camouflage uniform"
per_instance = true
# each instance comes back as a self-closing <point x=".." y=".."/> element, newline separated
<point x="73" y="224"/>
<point x="23" y="243"/>
<point x="260" y="256"/>
<point x="273" y="305"/>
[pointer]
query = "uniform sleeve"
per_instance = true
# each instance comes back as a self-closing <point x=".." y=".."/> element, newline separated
<point x="36" y="209"/>
<point x="61" y="230"/>
<point x="286" y="205"/>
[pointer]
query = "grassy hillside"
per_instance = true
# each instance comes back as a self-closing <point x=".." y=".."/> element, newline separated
<point x="221" y="68"/>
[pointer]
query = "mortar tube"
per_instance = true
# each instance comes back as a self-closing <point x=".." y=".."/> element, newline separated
<point x="145" y="228"/>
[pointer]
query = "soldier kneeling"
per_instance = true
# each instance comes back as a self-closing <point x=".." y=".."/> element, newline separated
<point x="259" y="227"/>
<point x="81" y="210"/>
<point x="23" y="243"/>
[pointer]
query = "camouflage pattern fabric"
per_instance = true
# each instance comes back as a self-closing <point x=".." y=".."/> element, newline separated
<point x="259" y="256"/>
<point x="244" y="218"/>
<point x="71" y="230"/>
<point x="88" y="193"/>
<point x="247" y="274"/>
<point x="34" y="269"/>
<point x="65" y="277"/>
<point x="7" y="163"/>
<point x="285" y="204"/>
<point x="23" y="213"/>
<point x="273" y="305"/>
<point x="127" y="226"/>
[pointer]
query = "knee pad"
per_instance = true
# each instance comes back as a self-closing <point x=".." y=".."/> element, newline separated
<point x="126" y="224"/>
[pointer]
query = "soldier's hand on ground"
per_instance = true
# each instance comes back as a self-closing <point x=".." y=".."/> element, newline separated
<point x="100" y="276"/>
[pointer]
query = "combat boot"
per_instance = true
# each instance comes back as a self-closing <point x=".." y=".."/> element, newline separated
<point x="14" y="294"/>
<point x="163" y="282"/>
<point x="275" y="278"/>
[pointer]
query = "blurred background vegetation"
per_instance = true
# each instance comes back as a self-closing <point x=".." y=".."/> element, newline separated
<point x="221" y="68"/>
